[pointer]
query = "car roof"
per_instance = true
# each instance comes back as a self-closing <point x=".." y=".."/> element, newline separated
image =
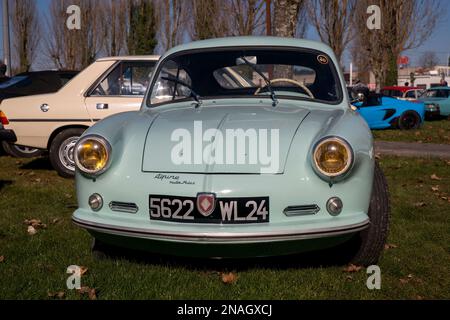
<point x="400" y="88"/>
<point x="45" y="72"/>
<point x="130" y="58"/>
<point x="249" y="41"/>
<point x="439" y="88"/>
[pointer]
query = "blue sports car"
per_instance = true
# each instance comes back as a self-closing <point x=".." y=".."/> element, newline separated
<point x="383" y="112"/>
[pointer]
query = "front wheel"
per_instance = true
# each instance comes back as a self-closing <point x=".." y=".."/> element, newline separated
<point x="20" y="151"/>
<point x="409" y="120"/>
<point x="369" y="243"/>
<point x="62" y="152"/>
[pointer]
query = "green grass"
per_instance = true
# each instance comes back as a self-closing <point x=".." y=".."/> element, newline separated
<point x="36" y="265"/>
<point x="430" y="132"/>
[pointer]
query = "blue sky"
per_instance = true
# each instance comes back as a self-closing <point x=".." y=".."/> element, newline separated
<point x="439" y="42"/>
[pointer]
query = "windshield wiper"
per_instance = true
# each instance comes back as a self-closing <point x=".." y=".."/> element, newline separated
<point x="267" y="80"/>
<point x="193" y="94"/>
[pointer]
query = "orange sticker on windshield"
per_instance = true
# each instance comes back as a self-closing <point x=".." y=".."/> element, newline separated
<point x="322" y="59"/>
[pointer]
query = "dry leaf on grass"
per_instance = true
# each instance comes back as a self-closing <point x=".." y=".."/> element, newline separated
<point x="35" y="223"/>
<point x="420" y="204"/>
<point x="56" y="221"/>
<point x="435" y="188"/>
<point x="406" y="280"/>
<point x="229" y="278"/>
<point x="83" y="270"/>
<point x="352" y="268"/>
<point x="2" y="259"/>
<point x="31" y="230"/>
<point x="57" y="295"/>
<point x="92" y="294"/>
<point x="435" y="177"/>
<point x="388" y="246"/>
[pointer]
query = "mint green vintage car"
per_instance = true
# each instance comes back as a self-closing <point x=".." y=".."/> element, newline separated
<point x="243" y="147"/>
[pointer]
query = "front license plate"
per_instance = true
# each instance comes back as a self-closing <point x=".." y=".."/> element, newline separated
<point x="207" y="210"/>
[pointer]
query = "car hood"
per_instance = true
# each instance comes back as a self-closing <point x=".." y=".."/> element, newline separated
<point x="208" y="139"/>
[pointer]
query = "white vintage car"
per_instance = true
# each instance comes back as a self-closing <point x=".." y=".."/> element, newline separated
<point x="55" y="121"/>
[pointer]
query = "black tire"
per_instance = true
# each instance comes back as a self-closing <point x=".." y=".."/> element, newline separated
<point x="61" y="151"/>
<point x="21" y="152"/>
<point x="409" y="120"/>
<point x="369" y="243"/>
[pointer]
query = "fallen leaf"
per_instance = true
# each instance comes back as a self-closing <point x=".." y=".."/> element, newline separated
<point x="83" y="270"/>
<point x="92" y="294"/>
<point x="58" y="295"/>
<point x="229" y="278"/>
<point x="420" y="204"/>
<point x="435" y="177"/>
<point x="2" y="259"/>
<point x="444" y="198"/>
<point x="56" y="221"/>
<point x="349" y="278"/>
<point x="388" y="246"/>
<point x="435" y="188"/>
<point x="38" y="180"/>
<point x="377" y="156"/>
<point x="419" y="298"/>
<point x="35" y="223"/>
<point x="352" y="268"/>
<point x="31" y="230"/>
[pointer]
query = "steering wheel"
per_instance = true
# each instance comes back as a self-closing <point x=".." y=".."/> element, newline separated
<point x="299" y="84"/>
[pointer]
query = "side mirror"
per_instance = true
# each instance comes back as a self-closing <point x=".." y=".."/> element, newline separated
<point x="360" y="97"/>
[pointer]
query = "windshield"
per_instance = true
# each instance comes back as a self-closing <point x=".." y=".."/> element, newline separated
<point x="12" y="81"/>
<point x="260" y="73"/>
<point x="436" y="93"/>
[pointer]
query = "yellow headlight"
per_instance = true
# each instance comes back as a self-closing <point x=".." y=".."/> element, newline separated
<point x="333" y="157"/>
<point x="92" y="155"/>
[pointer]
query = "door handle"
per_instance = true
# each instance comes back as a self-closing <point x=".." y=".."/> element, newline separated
<point x="45" y="107"/>
<point x="102" y="106"/>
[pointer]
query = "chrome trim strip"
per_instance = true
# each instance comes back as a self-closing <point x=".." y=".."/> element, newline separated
<point x="126" y="207"/>
<point x="220" y="237"/>
<point x="304" y="210"/>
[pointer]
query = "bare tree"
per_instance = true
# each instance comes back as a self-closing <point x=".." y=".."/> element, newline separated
<point x="26" y="30"/>
<point x="332" y="20"/>
<point x="428" y="60"/>
<point x="209" y="20"/>
<point x="286" y="17"/>
<point x="74" y="49"/>
<point x="406" y="24"/>
<point x="246" y="16"/>
<point x="113" y="22"/>
<point x="286" y="24"/>
<point x="172" y="17"/>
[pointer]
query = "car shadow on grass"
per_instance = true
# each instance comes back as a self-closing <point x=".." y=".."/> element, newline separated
<point x="333" y="257"/>
<point x="5" y="183"/>
<point x="42" y="163"/>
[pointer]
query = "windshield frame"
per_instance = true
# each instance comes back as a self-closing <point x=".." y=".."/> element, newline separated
<point x="339" y="81"/>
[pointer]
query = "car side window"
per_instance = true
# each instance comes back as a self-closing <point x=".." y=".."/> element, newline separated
<point x="126" y="79"/>
<point x="411" y="94"/>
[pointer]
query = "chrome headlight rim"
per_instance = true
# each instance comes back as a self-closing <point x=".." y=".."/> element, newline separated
<point x="347" y="169"/>
<point x="104" y="143"/>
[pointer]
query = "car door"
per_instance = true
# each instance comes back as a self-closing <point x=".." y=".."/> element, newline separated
<point x="120" y="90"/>
<point x="374" y="113"/>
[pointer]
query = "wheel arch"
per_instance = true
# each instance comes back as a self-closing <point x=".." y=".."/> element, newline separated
<point x="63" y="128"/>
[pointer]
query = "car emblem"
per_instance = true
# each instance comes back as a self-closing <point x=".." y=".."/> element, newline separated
<point x="206" y="203"/>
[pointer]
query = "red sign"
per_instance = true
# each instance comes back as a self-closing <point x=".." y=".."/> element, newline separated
<point x="403" y="60"/>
